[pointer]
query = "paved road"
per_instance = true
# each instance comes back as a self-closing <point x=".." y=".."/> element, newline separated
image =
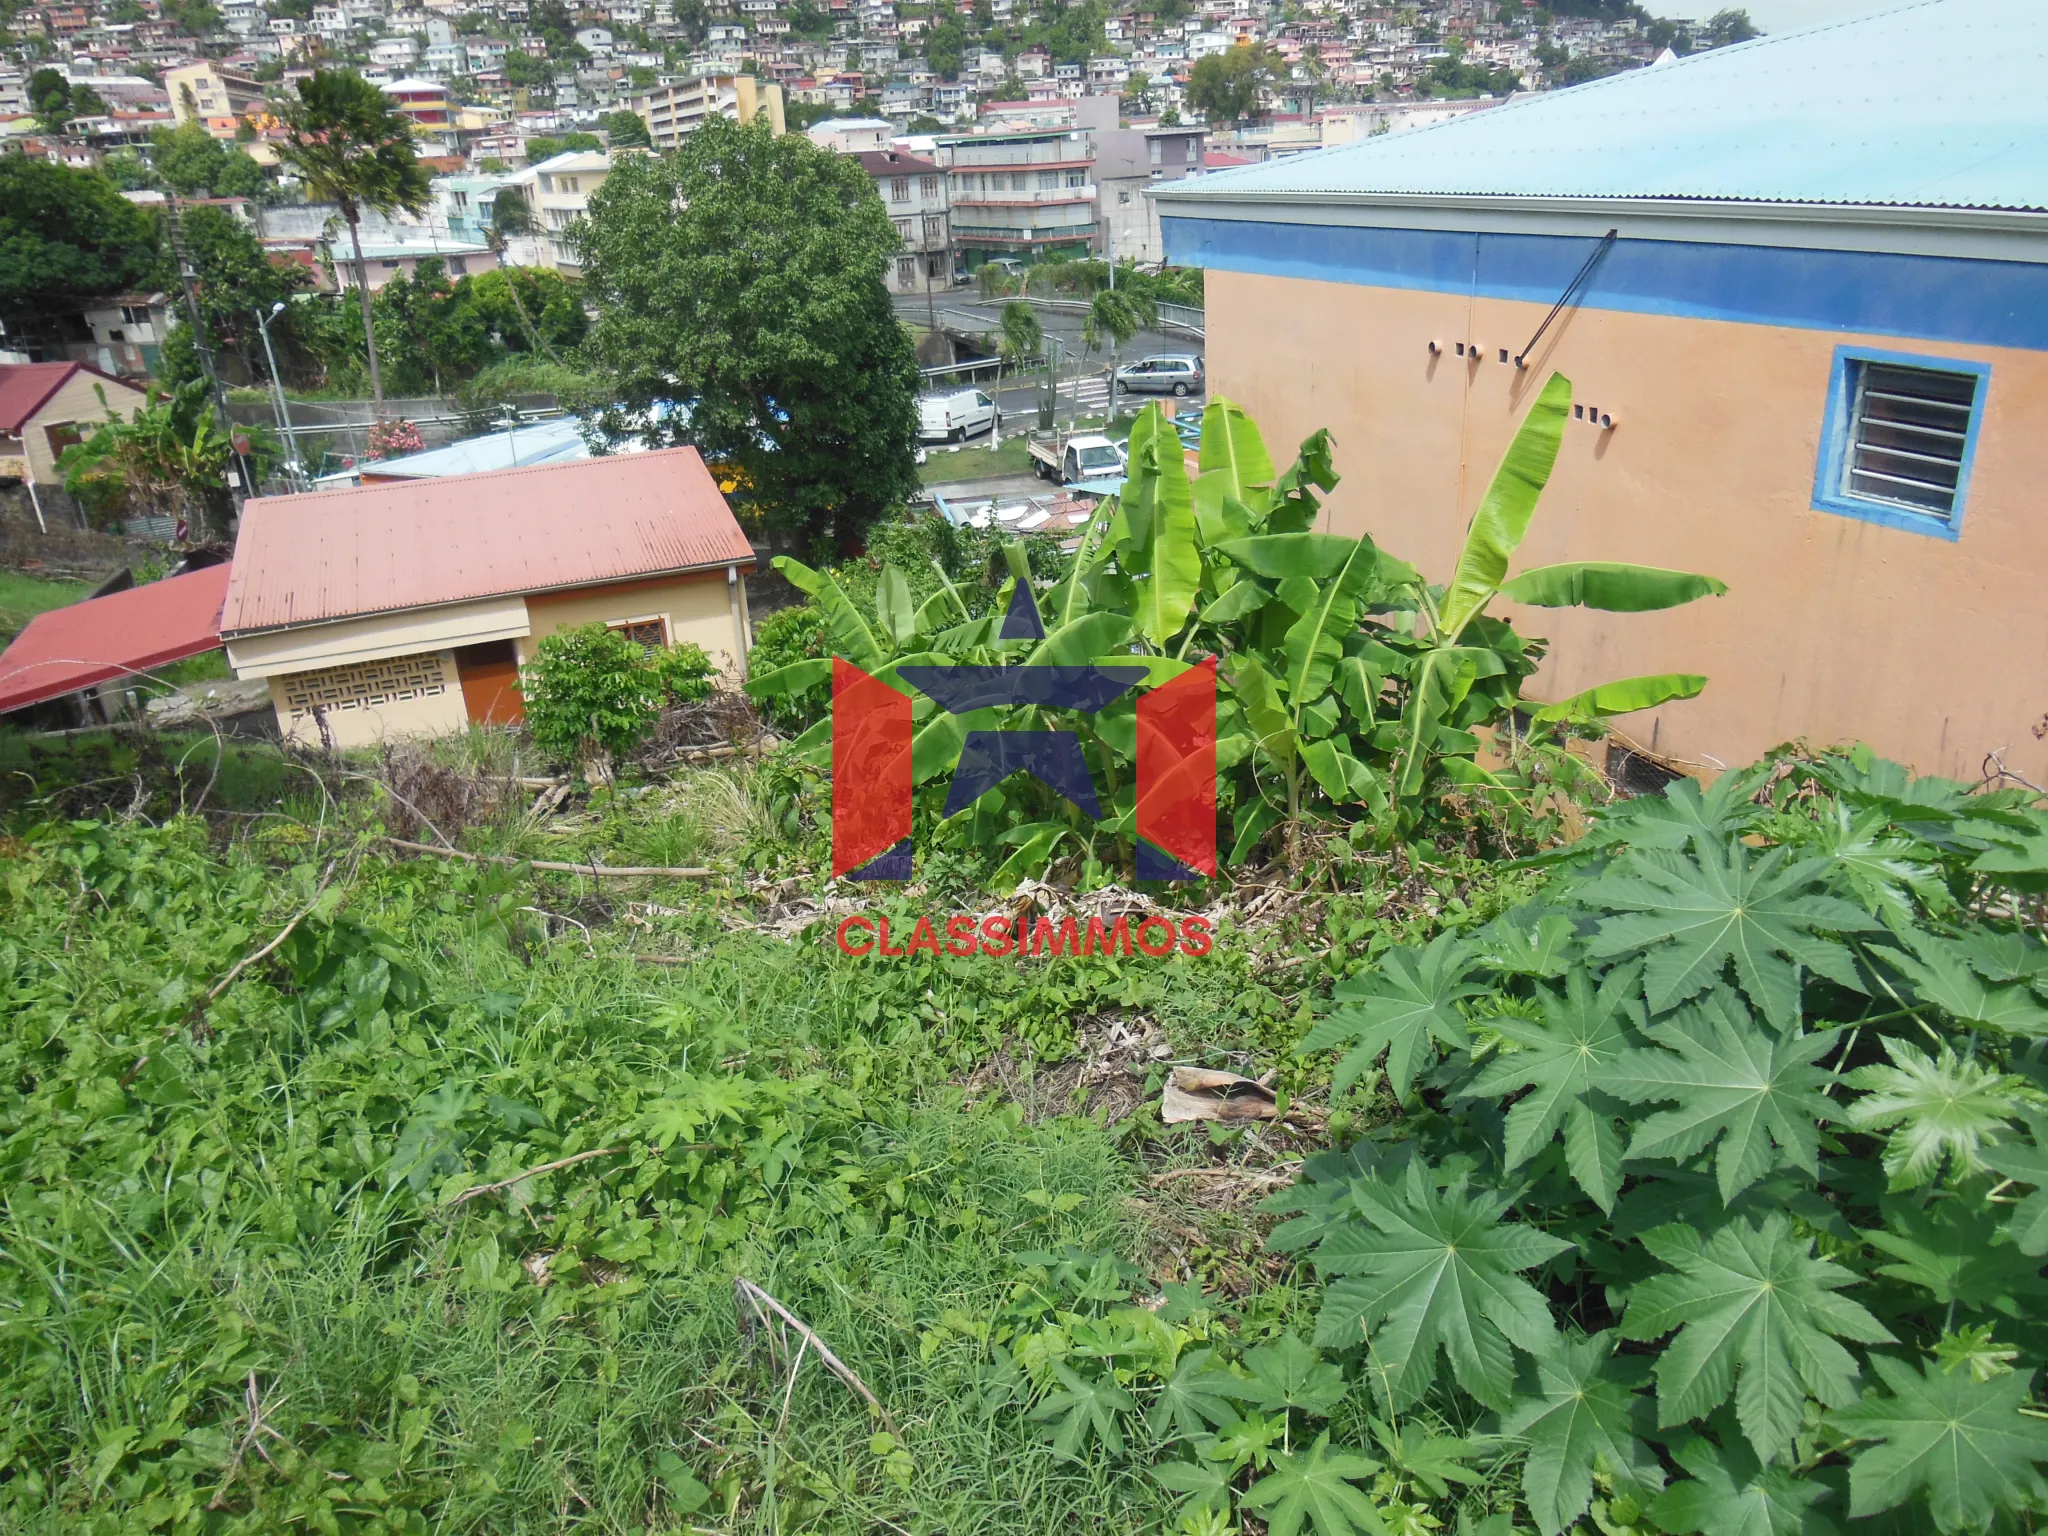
<point x="1019" y="400"/>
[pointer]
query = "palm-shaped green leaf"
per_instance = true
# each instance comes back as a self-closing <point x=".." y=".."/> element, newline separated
<point x="1563" y="1060"/>
<point x="851" y="635"/>
<point x="1289" y="1374"/>
<point x="1411" y="1001"/>
<point x="1755" y="1091"/>
<point x="1158" y="499"/>
<point x="1942" y="975"/>
<point x="1951" y="1250"/>
<point x="1085" y="1405"/>
<point x="2026" y="1162"/>
<point x="1313" y="1489"/>
<point x="1624" y="696"/>
<point x="1429" y="1270"/>
<point x="1693" y="916"/>
<point x="1196" y="1396"/>
<point x="1939" y="1108"/>
<point x="1430" y="1462"/>
<point x="1962" y="1442"/>
<point x="1315" y="643"/>
<point x="1585" y="1416"/>
<point x="1756" y="1314"/>
<point x="1731" y="1493"/>
<point x="1684" y="814"/>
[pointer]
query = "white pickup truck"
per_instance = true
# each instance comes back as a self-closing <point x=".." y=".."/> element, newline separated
<point x="1074" y="460"/>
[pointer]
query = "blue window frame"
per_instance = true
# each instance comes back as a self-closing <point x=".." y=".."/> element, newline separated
<point x="1899" y="439"/>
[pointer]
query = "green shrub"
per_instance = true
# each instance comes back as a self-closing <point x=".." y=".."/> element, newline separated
<point x="683" y="672"/>
<point x="783" y="638"/>
<point x="590" y="693"/>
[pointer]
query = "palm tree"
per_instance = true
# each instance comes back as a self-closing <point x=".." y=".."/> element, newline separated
<point x="1116" y="315"/>
<point x="1021" y="334"/>
<point x="352" y="147"/>
<point x="511" y="217"/>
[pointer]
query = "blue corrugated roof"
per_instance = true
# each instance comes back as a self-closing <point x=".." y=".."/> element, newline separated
<point x="1941" y="104"/>
<point x="556" y="441"/>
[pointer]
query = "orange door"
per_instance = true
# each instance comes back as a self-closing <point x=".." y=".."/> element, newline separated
<point x="490" y="683"/>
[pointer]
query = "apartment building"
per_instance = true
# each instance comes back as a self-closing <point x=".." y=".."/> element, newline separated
<point x="913" y="190"/>
<point x="1129" y="161"/>
<point x="1021" y="195"/>
<point x="675" y="110"/>
<point x="558" y="193"/>
<point x="209" y="94"/>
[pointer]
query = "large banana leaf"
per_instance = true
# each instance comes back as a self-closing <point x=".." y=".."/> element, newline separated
<point x="1503" y="517"/>
<point x="1172" y="554"/>
<point x="797" y="677"/>
<point x="1082" y="641"/>
<point x="851" y="636"/>
<point x="1441" y="683"/>
<point x="1243" y="597"/>
<point x="1232" y="447"/>
<point x="895" y="613"/>
<point x="1315" y="644"/>
<point x="1259" y="698"/>
<point x="1614" y="588"/>
<point x="1277" y="556"/>
<point x="1342" y="776"/>
<point x="1219" y="512"/>
<point x="1624" y="695"/>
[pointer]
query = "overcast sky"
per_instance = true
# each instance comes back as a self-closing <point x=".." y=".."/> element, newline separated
<point x="1777" y="15"/>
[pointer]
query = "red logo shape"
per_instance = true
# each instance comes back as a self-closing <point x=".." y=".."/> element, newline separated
<point x="1177" y="773"/>
<point x="870" y="768"/>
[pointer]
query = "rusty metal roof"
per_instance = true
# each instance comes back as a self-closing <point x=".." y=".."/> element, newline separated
<point x="328" y="555"/>
<point x="113" y="637"/>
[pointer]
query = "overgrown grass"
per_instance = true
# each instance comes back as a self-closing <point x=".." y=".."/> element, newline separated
<point x="23" y="596"/>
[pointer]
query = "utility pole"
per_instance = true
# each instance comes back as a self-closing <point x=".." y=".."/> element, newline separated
<point x="279" y="406"/>
<point x="188" y="277"/>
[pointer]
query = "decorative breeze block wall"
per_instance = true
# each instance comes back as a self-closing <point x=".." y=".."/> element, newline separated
<point x="365" y="685"/>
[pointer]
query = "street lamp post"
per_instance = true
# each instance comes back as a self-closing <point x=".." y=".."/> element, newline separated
<point x="278" y="405"/>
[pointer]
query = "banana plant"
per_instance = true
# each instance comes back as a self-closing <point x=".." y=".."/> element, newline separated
<point x="1351" y="686"/>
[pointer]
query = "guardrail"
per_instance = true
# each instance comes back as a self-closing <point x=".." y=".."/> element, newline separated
<point x="1172" y="317"/>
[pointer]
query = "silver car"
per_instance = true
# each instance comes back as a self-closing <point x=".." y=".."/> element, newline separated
<point x="1176" y="374"/>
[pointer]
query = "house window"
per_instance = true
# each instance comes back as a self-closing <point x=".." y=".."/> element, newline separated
<point x="934" y="229"/>
<point x="566" y="183"/>
<point x="935" y="264"/>
<point x="906" y="270"/>
<point x="458" y="266"/>
<point x="650" y="633"/>
<point x="899" y="189"/>
<point x="1158" y="152"/>
<point x="1900" y="435"/>
<point x="928" y="187"/>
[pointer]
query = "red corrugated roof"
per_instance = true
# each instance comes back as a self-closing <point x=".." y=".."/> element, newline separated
<point x="71" y="648"/>
<point x="384" y="548"/>
<point x="25" y="386"/>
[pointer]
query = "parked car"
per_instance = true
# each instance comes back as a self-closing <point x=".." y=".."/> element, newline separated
<point x="1175" y="375"/>
<point x="949" y="418"/>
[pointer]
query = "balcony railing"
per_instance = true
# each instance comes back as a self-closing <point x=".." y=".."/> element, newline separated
<point x="1031" y="198"/>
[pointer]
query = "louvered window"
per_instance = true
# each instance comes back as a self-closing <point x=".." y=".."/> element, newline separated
<point x="1909" y="435"/>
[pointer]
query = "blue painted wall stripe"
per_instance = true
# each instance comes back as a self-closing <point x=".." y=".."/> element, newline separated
<point x="1929" y="298"/>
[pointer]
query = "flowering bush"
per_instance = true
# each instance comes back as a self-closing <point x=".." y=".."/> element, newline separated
<point x="390" y="439"/>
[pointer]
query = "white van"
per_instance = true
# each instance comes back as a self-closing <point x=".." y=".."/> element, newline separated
<point x="949" y="418"/>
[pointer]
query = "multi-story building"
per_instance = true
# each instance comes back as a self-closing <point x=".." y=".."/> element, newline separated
<point x="914" y="192"/>
<point x="209" y="94"/>
<point x="1021" y="195"/>
<point x="676" y="109"/>
<point x="558" y="193"/>
<point x="1127" y="162"/>
<point x="425" y="102"/>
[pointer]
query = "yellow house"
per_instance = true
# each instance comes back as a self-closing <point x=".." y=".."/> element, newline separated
<point x="46" y="407"/>
<point x="407" y="609"/>
<point x="1800" y="287"/>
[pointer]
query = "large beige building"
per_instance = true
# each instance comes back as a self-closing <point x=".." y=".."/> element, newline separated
<point x="1800" y="289"/>
<point x="558" y="193"/>
<point x="219" y="98"/>
<point x="677" y="109"/>
<point x="407" y="609"/>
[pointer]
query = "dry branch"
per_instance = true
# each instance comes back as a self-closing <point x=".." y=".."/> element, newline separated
<point x="756" y="1299"/>
<point x="613" y="871"/>
<point x="532" y="1173"/>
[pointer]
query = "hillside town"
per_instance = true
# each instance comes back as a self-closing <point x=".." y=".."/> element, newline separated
<point x="540" y="95"/>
